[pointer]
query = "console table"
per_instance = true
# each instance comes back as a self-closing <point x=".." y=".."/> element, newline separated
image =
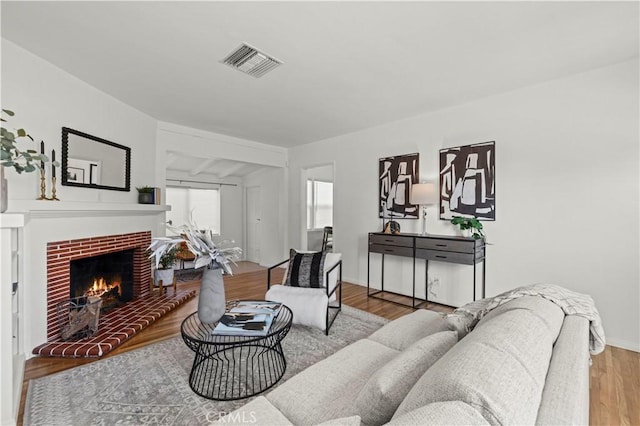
<point x="440" y="248"/>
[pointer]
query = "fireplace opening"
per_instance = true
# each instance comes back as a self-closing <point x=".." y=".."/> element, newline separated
<point x="109" y="276"/>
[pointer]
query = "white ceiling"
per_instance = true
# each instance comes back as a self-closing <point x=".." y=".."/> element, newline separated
<point x="188" y="167"/>
<point x="347" y="65"/>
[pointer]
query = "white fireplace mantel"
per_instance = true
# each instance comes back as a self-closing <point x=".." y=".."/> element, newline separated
<point x="53" y="209"/>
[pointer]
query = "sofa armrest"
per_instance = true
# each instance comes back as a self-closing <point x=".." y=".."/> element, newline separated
<point x="565" y="397"/>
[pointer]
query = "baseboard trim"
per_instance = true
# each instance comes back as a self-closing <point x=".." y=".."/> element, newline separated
<point x="624" y="344"/>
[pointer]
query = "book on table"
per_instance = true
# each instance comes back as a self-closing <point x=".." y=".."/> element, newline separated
<point x="248" y="318"/>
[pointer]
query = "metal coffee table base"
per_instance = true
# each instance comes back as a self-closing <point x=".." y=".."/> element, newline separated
<point x="228" y="367"/>
<point x="229" y="373"/>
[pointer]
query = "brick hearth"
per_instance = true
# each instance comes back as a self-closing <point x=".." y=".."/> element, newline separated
<point x="117" y="326"/>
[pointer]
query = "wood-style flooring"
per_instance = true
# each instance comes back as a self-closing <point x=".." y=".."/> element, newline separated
<point x="614" y="375"/>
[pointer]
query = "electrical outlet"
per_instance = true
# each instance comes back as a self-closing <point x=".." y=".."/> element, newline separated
<point x="433" y="286"/>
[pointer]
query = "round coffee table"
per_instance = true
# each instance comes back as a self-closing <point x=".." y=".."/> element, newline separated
<point x="234" y="367"/>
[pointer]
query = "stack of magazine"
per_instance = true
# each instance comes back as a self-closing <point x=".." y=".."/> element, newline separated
<point x="248" y="318"/>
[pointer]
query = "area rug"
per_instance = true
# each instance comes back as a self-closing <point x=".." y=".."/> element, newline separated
<point x="151" y="385"/>
<point x="185" y="275"/>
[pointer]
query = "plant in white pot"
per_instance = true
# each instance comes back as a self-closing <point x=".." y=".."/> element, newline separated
<point x="216" y="259"/>
<point x="163" y="274"/>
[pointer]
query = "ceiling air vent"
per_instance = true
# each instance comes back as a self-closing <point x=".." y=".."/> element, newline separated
<point x="251" y="61"/>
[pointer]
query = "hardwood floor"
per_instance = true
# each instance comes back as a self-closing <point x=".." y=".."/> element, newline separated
<point x="614" y="375"/>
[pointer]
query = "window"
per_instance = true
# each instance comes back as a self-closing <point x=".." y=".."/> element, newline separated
<point x="203" y="205"/>
<point x="319" y="204"/>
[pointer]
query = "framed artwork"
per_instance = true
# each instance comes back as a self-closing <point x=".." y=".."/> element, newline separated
<point x="75" y="174"/>
<point x="396" y="175"/>
<point x="468" y="181"/>
<point x="83" y="171"/>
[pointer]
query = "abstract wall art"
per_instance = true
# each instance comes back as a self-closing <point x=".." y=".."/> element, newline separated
<point x="467" y="181"/>
<point x="396" y="175"/>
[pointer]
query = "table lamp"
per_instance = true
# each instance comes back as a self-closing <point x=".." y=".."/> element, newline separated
<point x="424" y="194"/>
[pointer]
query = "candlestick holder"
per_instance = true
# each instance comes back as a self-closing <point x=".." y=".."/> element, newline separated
<point x="53" y="190"/>
<point x="43" y="186"/>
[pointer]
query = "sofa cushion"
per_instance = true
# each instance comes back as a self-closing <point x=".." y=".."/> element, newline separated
<point x="342" y="421"/>
<point x="385" y="390"/>
<point x="441" y="413"/>
<point x="499" y="368"/>
<point x="327" y="389"/>
<point x="401" y="333"/>
<point x="257" y="411"/>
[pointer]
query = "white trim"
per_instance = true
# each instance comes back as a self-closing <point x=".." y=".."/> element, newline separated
<point x="46" y="209"/>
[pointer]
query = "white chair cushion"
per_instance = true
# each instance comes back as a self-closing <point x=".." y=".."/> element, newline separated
<point x="309" y="305"/>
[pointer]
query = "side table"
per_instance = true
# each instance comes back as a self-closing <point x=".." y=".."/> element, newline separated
<point x="228" y="367"/>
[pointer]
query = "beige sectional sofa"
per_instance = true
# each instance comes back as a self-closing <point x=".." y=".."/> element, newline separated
<point x="524" y="363"/>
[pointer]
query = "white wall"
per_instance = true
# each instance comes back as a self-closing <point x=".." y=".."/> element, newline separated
<point x="45" y="99"/>
<point x="567" y="191"/>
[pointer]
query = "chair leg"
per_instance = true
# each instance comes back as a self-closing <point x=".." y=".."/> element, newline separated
<point x="175" y="285"/>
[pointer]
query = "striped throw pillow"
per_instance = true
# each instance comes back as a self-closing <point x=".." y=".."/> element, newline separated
<point x="305" y="269"/>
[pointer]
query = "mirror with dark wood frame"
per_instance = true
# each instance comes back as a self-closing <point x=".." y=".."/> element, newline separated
<point x="92" y="162"/>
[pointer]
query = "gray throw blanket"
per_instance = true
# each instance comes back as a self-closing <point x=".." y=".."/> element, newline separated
<point x="570" y="302"/>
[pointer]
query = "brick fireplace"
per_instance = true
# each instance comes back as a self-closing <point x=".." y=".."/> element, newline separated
<point x="61" y="253"/>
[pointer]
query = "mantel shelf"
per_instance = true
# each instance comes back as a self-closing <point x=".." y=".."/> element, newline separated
<point x="52" y="209"/>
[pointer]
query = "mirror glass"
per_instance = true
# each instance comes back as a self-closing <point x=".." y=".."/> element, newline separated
<point x="92" y="162"/>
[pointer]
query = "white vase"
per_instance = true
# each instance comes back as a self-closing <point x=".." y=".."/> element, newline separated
<point x="211" y="302"/>
<point x="164" y="275"/>
<point x="4" y="201"/>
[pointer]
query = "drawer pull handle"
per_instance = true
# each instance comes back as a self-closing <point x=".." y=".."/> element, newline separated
<point x="388" y="241"/>
<point x="441" y="257"/>
<point x="441" y="245"/>
<point x="388" y="250"/>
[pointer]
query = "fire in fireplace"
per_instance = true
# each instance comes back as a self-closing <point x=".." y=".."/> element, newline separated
<point x="109" y="276"/>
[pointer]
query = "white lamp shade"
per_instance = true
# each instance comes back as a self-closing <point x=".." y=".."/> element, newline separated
<point x="424" y="194"/>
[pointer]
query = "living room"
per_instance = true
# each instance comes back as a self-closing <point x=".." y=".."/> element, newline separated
<point x="554" y="84"/>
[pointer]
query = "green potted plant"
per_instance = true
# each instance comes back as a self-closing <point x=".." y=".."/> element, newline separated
<point x="470" y="224"/>
<point x="145" y="195"/>
<point x="164" y="265"/>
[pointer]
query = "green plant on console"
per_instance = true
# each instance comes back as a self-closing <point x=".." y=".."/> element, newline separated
<point x="145" y="189"/>
<point x="470" y="223"/>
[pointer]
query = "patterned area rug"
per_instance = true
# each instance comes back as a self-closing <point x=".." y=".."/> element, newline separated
<point x="151" y="385"/>
<point x="184" y="275"/>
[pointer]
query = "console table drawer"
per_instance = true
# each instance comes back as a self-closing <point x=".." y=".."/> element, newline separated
<point x="394" y="250"/>
<point x="394" y="240"/>
<point x="448" y="245"/>
<point x="449" y="256"/>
